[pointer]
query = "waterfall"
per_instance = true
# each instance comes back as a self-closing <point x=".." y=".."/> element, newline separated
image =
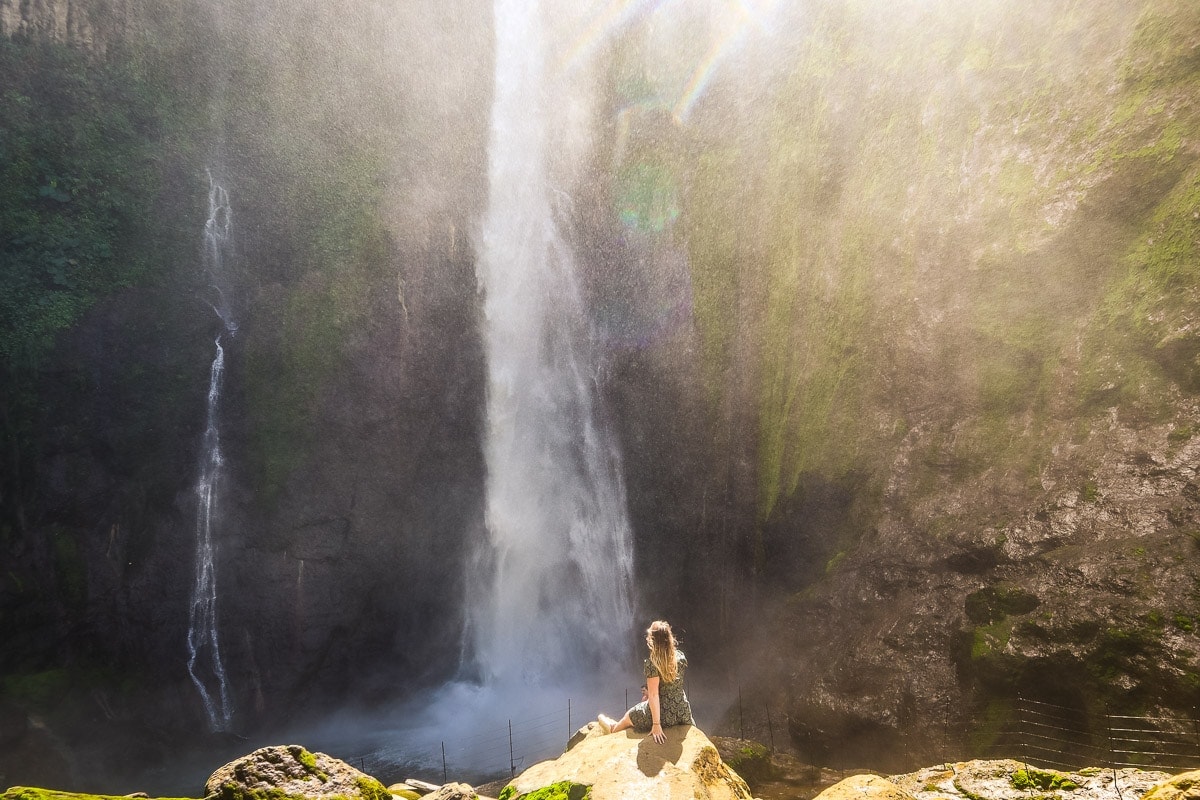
<point x="552" y="595"/>
<point x="204" y="663"/>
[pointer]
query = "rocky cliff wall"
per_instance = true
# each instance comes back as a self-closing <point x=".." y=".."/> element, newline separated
<point x="92" y="25"/>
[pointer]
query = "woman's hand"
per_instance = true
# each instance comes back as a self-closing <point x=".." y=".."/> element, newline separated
<point x="655" y="709"/>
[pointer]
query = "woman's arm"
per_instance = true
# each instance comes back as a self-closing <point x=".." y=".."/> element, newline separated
<point x="655" y="711"/>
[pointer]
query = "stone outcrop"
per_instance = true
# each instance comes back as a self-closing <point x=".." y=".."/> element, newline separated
<point x="1007" y="779"/>
<point x="1180" y="787"/>
<point x="453" y="791"/>
<point x="630" y="766"/>
<point x="293" y="771"/>
<point x="865" y="787"/>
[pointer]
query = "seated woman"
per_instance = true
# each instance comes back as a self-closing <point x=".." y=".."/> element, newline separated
<point x="666" y="703"/>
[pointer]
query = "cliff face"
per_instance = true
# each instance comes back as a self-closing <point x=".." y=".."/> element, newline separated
<point x="944" y="321"/>
<point x="89" y="24"/>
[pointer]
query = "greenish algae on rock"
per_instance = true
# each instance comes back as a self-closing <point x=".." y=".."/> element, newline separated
<point x="563" y="790"/>
<point x="34" y="793"/>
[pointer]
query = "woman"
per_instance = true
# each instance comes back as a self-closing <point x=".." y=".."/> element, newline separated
<point x="665" y="703"/>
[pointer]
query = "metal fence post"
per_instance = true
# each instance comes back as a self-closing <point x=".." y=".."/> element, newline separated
<point x="741" y="723"/>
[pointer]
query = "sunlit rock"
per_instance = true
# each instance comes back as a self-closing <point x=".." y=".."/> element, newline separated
<point x="1181" y="787"/>
<point x="290" y="770"/>
<point x="1009" y="779"/>
<point x="630" y="766"/>
<point x="865" y="787"/>
<point x="453" y="791"/>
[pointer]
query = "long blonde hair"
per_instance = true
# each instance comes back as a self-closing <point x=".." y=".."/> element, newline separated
<point x="662" y="644"/>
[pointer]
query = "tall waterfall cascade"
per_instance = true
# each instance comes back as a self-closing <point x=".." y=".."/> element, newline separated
<point x="204" y="664"/>
<point x="552" y="596"/>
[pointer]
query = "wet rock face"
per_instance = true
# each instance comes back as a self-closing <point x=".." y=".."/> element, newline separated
<point x="1090" y="605"/>
<point x="82" y="23"/>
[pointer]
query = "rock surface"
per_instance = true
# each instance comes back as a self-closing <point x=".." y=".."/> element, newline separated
<point x="453" y="791"/>
<point x="291" y="770"/>
<point x="629" y="766"/>
<point x="865" y="787"/>
<point x="1181" y="787"/>
<point x="994" y="780"/>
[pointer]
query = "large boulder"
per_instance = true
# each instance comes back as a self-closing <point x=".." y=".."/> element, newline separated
<point x="270" y="773"/>
<point x="1182" y="787"/>
<point x="864" y="787"/>
<point x="630" y="766"/>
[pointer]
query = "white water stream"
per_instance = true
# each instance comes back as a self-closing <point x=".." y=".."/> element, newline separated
<point x="204" y="663"/>
<point x="550" y="602"/>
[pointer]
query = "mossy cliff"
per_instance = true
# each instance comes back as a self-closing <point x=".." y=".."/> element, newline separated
<point x="944" y="299"/>
<point x="352" y="389"/>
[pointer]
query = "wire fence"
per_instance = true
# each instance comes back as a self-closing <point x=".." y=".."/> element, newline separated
<point x="1039" y="733"/>
<point x="497" y="750"/>
<point x="1060" y="737"/>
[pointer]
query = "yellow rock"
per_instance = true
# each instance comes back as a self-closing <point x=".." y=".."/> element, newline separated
<point x="630" y="766"/>
<point x="1185" y="786"/>
<point x="864" y="787"/>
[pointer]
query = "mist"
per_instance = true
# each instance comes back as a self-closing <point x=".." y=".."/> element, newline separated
<point x="798" y="324"/>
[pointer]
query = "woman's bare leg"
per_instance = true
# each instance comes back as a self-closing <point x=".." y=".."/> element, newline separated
<point x="607" y="722"/>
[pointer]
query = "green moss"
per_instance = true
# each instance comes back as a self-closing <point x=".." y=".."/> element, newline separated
<point x="988" y="640"/>
<point x="989" y="726"/>
<point x="997" y="602"/>
<point x="371" y="789"/>
<point x="564" y="790"/>
<point x="1184" y="622"/>
<point x="1045" y="780"/>
<point x="1180" y="434"/>
<point x="31" y="793"/>
<point x="309" y="762"/>
<point x="39" y="691"/>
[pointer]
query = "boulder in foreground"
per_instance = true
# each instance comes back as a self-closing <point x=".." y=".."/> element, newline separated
<point x="271" y="773"/>
<point x="864" y="787"/>
<point x="1182" y="787"/>
<point x="630" y="766"/>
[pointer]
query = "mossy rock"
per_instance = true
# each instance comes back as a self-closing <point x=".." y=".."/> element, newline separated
<point x="291" y="772"/>
<point x="563" y="790"/>
<point x="749" y="759"/>
<point x="33" y="793"/>
<point x="994" y="603"/>
<point x="1182" y="787"/>
<point x="1046" y="780"/>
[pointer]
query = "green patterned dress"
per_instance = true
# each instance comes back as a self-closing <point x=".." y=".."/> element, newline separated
<point x="672" y="701"/>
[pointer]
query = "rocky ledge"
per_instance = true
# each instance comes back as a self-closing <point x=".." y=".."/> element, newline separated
<point x="626" y="766"/>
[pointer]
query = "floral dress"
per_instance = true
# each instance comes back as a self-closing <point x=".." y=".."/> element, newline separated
<point x="673" y="704"/>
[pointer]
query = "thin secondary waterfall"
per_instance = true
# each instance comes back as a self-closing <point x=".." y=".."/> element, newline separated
<point x="558" y="560"/>
<point x="204" y="652"/>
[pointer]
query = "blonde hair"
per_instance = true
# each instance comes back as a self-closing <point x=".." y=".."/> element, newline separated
<point x="662" y="644"/>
